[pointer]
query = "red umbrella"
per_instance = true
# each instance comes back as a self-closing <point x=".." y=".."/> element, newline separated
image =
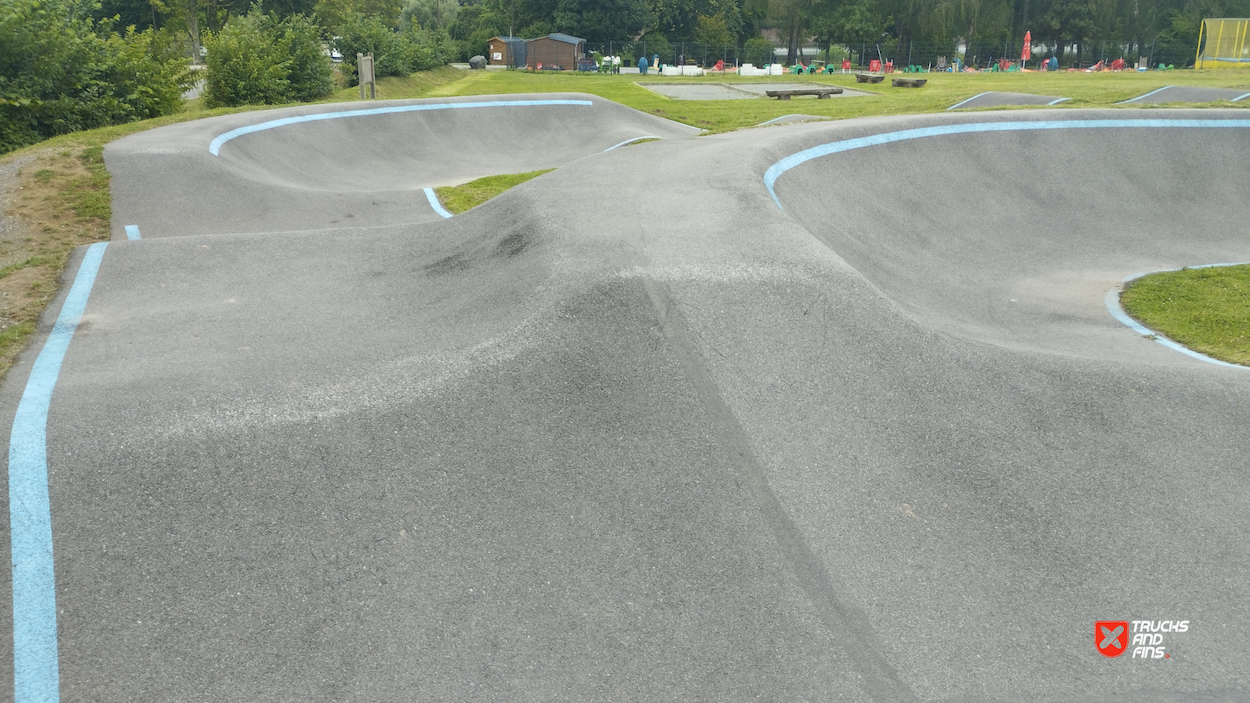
<point x="1028" y="47"/>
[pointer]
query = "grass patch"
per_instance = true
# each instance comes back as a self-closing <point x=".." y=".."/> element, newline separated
<point x="1206" y="309"/>
<point x="457" y="199"/>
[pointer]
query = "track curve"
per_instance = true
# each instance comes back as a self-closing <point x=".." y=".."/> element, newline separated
<point x="631" y="430"/>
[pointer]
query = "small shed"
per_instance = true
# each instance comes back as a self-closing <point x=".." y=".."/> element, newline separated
<point x="506" y="51"/>
<point x="555" y="50"/>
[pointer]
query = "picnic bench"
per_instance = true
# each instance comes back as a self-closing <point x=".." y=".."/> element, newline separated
<point x="868" y="78"/>
<point x="909" y="82"/>
<point x="820" y="93"/>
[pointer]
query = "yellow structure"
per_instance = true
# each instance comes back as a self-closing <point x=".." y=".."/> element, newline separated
<point x="1226" y="44"/>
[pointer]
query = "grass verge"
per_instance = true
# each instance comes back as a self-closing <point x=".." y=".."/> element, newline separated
<point x="1206" y="309"/>
<point x="457" y="199"/>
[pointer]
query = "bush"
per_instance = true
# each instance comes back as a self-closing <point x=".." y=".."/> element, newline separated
<point x="258" y="60"/>
<point x="60" y="74"/>
<point x="394" y="53"/>
<point x="370" y="35"/>
<point x="657" y="44"/>
<point x="758" y="51"/>
<point x="427" y="49"/>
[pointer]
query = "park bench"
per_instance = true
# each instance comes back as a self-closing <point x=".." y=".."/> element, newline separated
<point x="820" y="93"/>
<point x="868" y="78"/>
<point x="909" y="82"/>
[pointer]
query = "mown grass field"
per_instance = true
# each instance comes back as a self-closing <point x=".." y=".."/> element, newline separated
<point x="59" y="198"/>
<point x="943" y="90"/>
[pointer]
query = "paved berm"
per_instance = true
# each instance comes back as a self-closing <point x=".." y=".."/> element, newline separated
<point x="632" y="431"/>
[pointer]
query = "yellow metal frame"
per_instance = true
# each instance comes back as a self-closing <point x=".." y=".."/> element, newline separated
<point x="1240" y="30"/>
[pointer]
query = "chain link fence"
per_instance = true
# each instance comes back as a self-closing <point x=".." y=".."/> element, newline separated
<point x="982" y="55"/>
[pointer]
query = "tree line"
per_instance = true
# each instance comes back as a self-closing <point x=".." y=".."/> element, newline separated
<point x="67" y="65"/>
<point x="468" y="24"/>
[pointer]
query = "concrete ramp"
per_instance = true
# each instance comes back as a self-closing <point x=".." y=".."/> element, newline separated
<point x="996" y="99"/>
<point x="640" y="430"/>
<point x="357" y="164"/>
<point x="1188" y="94"/>
<point x="1024" y="250"/>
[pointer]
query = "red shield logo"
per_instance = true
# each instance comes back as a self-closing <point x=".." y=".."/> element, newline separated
<point x="1111" y="637"/>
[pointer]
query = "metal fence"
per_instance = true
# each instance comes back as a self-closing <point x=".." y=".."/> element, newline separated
<point x="980" y="54"/>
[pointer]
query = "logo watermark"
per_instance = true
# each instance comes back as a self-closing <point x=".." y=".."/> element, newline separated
<point x="1142" y="639"/>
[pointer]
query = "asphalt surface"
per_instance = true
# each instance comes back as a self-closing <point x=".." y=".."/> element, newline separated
<point x="633" y="431"/>
<point x="1188" y="94"/>
<point x="996" y="99"/>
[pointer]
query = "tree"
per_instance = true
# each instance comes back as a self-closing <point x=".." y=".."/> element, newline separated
<point x="333" y="14"/>
<point x="793" y="19"/>
<point x="602" y="20"/>
<point x="60" y="72"/>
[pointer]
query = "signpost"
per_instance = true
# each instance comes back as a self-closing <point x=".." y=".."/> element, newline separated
<point x="364" y="72"/>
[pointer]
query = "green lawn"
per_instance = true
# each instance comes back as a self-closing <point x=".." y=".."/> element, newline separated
<point x="1206" y="309"/>
<point x="943" y="90"/>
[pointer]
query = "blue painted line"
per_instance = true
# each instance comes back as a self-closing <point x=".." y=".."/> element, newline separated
<point x="215" y="146"/>
<point x="1112" y="302"/>
<point x="36" y="674"/>
<point x="1143" y="97"/>
<point x="1056" y="102"/>
<point x="630" y="141"/>
<point x="132" y="231"/>
<point x="776" y="170"/>
<point x="952" y="107"/>
<point x="438" y="207"/>
<point x="1239" y="98"/>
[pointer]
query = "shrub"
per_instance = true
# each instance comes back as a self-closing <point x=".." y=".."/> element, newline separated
<point x="60" y="74"/>
<point x="394" y="53"/>
<point x="758" y="51"/>
<point x="257" y="59"/>
<point x="657" y="44"/>
<point x="427" y="49"/>
<point x="358" y="34"/>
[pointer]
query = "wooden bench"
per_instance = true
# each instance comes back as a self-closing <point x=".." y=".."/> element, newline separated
<point x="909" y="82"/>
<point x="868" y="78"/>
<point x="820" y="93"/>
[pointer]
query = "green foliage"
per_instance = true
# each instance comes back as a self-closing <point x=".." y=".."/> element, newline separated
<point x="61" y="72"/>
<point x="431" y="14"/>
<point x="854" y="23"/>
<point x="261" y="60"/>
<point x="602" y="20"/>
<point x="333" y="14"/>
<point x="658" y="44"/>
<point x="394" y="53"/>
<point x="711" y="30"/>
<point x="757" y="51"/>
<point x="358" y="34"/>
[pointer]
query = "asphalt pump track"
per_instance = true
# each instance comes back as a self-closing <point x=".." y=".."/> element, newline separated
<point x="825" y="411"/>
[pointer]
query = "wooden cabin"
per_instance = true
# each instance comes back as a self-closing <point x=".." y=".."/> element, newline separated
<point x="554" y="50"/>
<point x="506" y="51"/>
